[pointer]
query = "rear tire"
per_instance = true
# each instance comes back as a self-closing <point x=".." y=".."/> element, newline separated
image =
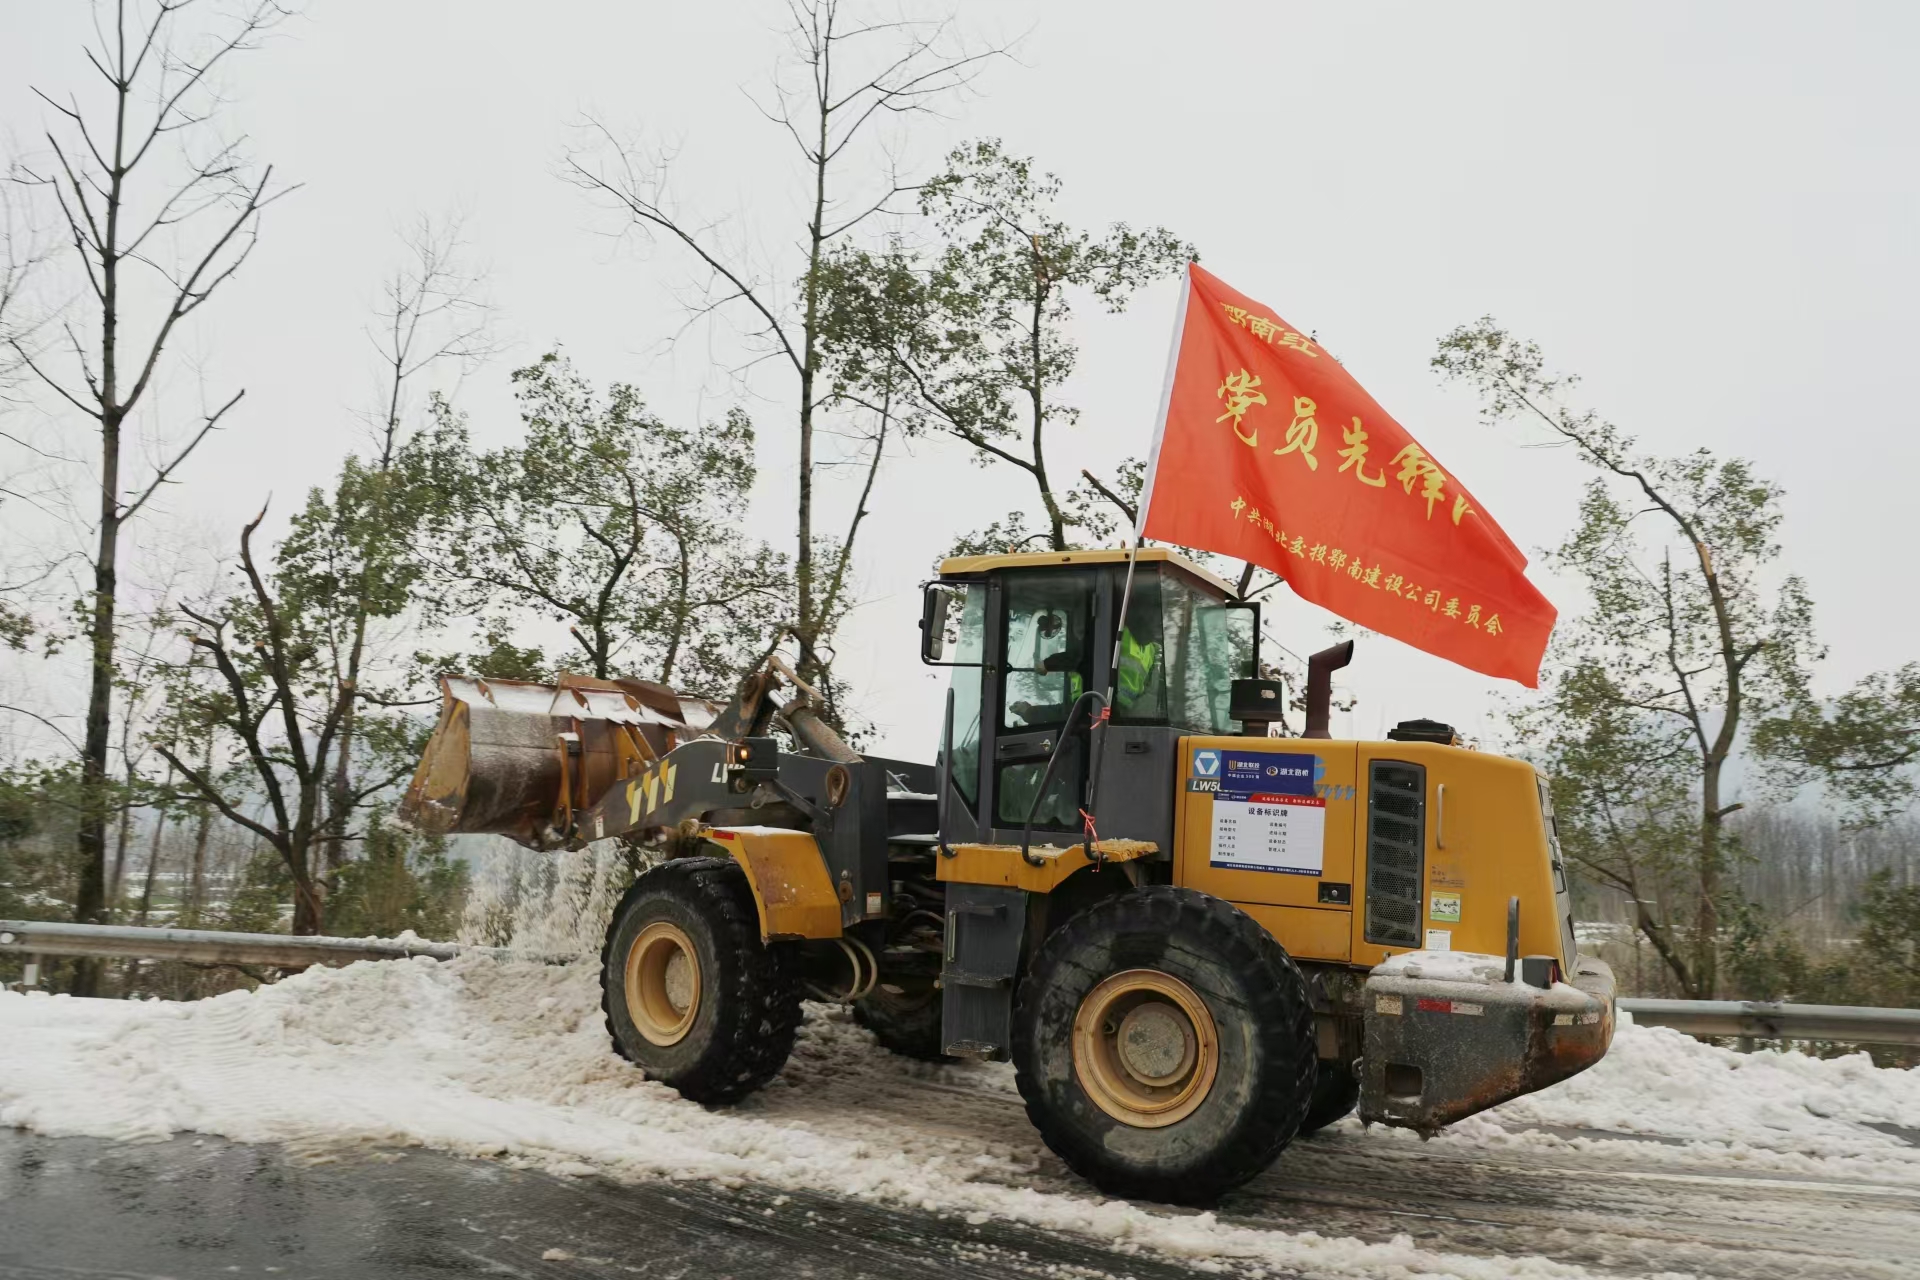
<point x="691" y="994"/>
<point x="1164" y="1044"/>
<point x="904" y="1022"/>
<point x="1336" y="1092"/>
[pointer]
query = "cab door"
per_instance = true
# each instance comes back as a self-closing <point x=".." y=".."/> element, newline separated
<point x="1047" y="643"/>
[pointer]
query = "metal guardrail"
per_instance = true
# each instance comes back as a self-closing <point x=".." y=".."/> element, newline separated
<point x="37" y="938"/>
<point x="1742" y="1019"/>
<point x="1766" y="1020"/>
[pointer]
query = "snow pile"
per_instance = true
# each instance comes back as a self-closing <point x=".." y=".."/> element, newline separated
<point x="1444" y="966"/>
<point x="510" y="1059"/>
<point x="1781" y="1111"/>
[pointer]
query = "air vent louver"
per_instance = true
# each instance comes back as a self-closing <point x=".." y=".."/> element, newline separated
<point x="1396" y="850"/>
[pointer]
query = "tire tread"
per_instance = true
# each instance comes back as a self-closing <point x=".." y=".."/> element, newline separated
<point x="760" y="1008"/>
<point x="1278" y="1007"/>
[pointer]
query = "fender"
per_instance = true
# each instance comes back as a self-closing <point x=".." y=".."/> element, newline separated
<point x="791" y="888"/>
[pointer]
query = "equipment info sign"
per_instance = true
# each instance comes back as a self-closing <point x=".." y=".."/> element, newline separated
<point x="1265" y="814"/>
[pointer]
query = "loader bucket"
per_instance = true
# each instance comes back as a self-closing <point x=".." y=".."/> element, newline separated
<point x="518" y="759"/>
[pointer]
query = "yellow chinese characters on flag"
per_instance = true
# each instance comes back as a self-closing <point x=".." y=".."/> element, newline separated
<point x="1269" y="451"/>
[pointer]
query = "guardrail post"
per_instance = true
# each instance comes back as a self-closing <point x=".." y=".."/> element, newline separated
<point x="30" y="976"/>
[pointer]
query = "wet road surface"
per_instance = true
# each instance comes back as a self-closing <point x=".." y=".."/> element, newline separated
<point x="192" y="1207"/>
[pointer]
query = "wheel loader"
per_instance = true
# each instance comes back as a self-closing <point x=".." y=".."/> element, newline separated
<point x="1194" y="933"/>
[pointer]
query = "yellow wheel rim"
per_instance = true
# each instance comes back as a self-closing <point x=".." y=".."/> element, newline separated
<point x="1144" y="1048"/>
<point x="662" y="983"/>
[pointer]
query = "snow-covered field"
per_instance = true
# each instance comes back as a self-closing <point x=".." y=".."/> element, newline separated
<point x="509" y="1059"/>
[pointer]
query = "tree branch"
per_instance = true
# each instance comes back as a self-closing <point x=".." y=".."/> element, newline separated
<point x="160" y="477"/>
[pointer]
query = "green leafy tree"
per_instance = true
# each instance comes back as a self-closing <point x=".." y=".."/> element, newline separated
<point x="354" y="547"/>
<point x="402" y="880"/>
<point x="1887" y="961"/>
<point x="620" y="526"/>
<point x="1862" y="744"/>
<point x="267" y="681"/>
<point x="1880" y="967"/>
<point x="975" y="337"/>
<point x="39" y="805"/>
<point x="273" y="719"/>
<point x="1693" y="635"/>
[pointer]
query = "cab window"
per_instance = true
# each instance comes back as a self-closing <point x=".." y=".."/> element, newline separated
<point x="964" y="638"/>
<point x="1049" y="649"/>
<point x="1180" y="653"/>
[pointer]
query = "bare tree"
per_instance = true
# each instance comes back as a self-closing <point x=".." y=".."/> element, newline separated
<point x="21" y="250"/>
<point x="153" y="857"/>
<point x="262" y="681"/>
<point x="843" y="78"/>
<point x="138" y="665"/>
<point x="153" y="206"/>
<point x="283" y="664"/>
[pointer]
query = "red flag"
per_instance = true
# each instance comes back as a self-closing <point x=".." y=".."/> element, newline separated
<point x="1269" y="451"/>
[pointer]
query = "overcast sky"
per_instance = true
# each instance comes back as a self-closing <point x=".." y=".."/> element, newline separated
<point x="1708" y="210"/>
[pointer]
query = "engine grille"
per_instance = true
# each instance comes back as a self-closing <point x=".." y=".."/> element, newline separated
<point x="1396" y="852"/>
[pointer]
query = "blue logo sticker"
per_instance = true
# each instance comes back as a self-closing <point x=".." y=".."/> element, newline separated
<point x="1249" y="773"/>
<point x="1206" y="764"/>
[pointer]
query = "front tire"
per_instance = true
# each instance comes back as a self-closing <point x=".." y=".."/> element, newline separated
<point x="1163" y="1042"/>
<point x="691" y="994"/>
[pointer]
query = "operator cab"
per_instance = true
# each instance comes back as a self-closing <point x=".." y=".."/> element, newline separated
<point x="1028" y="635"/>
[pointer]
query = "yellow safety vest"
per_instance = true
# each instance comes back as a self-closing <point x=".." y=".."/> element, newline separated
<point x="1136" y="668"/>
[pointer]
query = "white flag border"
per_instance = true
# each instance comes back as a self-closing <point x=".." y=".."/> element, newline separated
<point x="1166" y="401"/>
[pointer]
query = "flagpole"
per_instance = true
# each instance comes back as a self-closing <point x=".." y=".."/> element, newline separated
<point x="1098" y="752"/>
<point x="1146" y="488"/>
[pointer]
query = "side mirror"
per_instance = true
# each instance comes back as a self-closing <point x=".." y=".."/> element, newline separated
<point x="1243" y="625"/>
<point x="933" y="618"/>
<point x="942" y="620"/>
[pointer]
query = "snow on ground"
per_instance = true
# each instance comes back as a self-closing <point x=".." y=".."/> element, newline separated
<point x="1784" y="1112"/>
<point x="509" y="1059"/>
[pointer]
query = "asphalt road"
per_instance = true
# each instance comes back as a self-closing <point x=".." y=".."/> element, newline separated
<point x="1624" y="1203"/>
<point x="188" y="1207"/>
<point x="192" y="1207"/>
<point x="1605" y="1207"/>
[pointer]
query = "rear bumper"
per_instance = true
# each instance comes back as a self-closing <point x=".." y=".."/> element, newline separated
<point x="1436" y="1050"/>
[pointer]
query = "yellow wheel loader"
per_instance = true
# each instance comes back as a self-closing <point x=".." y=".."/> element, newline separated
<point x="1194" y="934"/>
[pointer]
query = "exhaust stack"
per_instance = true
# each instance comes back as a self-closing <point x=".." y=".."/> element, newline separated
<point x="1320" y="669"/>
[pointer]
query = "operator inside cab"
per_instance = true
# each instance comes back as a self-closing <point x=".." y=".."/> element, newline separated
<point x="1132" y="680"/>
<point x="1059" y="670"/>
